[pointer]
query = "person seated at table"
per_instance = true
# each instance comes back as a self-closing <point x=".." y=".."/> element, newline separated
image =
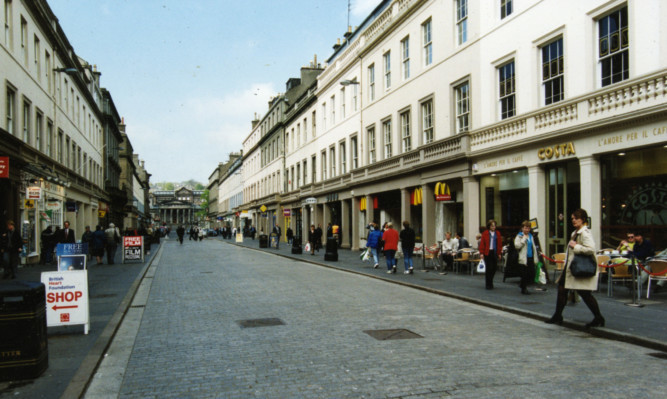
<point x="627" y="244"/>
<point x="642" y="250"/>
<point x="449" y="248"/>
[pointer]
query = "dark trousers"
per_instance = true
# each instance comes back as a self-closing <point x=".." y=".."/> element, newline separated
<point x="527" y="273"/>
<point x="11" y="264"/>
<point x="491" y="262"/>
<point x="448" y="259"/>
<point x="111" y="253"/>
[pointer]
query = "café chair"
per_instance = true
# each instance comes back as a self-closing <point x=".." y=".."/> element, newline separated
<point x="559" y="260"/>
<point x="658" y="272"/>
<point x="603" y="260"/>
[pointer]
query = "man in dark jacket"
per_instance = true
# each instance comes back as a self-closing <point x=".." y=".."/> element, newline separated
<point x="66" y="235"/>
<point x="86" y="238"/>
<point x="48" y="238"/>
<point x="12" y="245"/>
<point x="407" y="237"/>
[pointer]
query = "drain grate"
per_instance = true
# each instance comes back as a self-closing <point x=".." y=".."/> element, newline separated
<point x="659" y="355"/>
<point x="268" y="322"/>
<point x="386" y="335"/>
<point x="138" y="306"/>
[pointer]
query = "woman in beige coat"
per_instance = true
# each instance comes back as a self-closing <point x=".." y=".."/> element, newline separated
<point x="581" y="243"/>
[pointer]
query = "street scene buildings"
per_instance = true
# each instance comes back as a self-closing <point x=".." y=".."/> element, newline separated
<point x="64" y="151"/>
<point x="525" y="110"/>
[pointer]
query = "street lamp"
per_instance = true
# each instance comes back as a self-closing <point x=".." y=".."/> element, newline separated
<point x="68" y="71"/>
<point x="348" y="82"/>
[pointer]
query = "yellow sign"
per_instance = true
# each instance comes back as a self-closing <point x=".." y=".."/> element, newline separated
<point x="417" y="196"/>
<point x="262" y="208"/>
<point x="29" y="204"/>
<point x="442" y="192"/>
<point x="101" y="213"/>
<point x="560" y="150"/>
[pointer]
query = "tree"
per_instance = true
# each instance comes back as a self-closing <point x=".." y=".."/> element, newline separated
<point x="203" y="212"/>
<point x="169" y="186"/>
<point x="199" y="186"/>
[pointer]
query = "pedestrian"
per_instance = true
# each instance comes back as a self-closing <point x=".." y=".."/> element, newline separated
<point x="318" y="237"/>
<point x="86" y="237"/>
<point x="278" y="232"/>
<point x="290" y="236"/>
<point x="312" y="237"/>
<point x="407" y="237"/>
<point x="11" y="245"/>
<point x="47" y="239"/>
<point x="490" y="250"/>
<point x="66" y="235"/>
<point x="180" y="232"/>
<point x="525" y="244"/>
<point x="390" y="238"/>
<point x="373" y="242"/>
<point x="98" y="243"/>
<point x="112" y="241"/>
<point x="581" y="243"/>
<point x="201" y="234"/>
<point x="449" y="248"/>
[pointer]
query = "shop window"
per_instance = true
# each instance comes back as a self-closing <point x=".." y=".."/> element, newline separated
<point x="634" y="194"/>
<point x="504" y="197"/>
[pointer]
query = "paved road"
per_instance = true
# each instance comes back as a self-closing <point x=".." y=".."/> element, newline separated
<point x="183" y="337"/>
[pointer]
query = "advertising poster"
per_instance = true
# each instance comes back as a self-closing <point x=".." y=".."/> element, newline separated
<point x="67" y="298"/>
<point x="72" y="256"/>
<point x="133" y="248"/>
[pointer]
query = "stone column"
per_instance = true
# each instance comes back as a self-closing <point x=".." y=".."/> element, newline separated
<point x="471" y="222"/>
<point x="428" y="215"/>
<point x="369" y="209"/>
<point x="355" y="223"/>
<point x="537" y="199"/>
<point x="405" y="207"/>
<point x="591" y="195"/>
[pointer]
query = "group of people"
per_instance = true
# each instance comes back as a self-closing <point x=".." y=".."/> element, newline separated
<point x="101" y="241"/>
<point x="386" y="240"/>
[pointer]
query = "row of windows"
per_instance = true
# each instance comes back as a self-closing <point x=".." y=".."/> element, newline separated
<point x="42" y="68"/>
<point x="38" y="132"/>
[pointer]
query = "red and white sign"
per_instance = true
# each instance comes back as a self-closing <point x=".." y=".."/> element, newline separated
<point x="67" y="298"/>
<point x="287" y="212"/>
<point x="132" y="241"/>
<point x="4" y="167"/>
<point x="34" y="193"/>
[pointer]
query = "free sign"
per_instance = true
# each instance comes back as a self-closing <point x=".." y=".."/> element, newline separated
<point x="67" y="298"/>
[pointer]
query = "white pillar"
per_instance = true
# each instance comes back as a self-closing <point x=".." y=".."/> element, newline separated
<point x="537" y="199"/>
<point x="591" y="196"/>
<point x="471" y="209"/>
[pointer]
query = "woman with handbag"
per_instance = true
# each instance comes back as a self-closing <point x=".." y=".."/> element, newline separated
<point x="581" y="250"/>
<point x="525" y="244"/>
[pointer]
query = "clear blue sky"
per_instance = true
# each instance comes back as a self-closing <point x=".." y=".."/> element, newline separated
<point x="188" y="75"/>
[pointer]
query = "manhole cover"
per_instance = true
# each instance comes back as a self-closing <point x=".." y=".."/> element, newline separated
<point x="659" y="355"/>
<point x="260" y="322"/>
<point x="385" y="335"/>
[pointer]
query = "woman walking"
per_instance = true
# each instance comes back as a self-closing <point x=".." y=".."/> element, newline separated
<point x="581" y="243"/>
<point x="525" y="244"/>
<point x="373" y="242"/>
<point x="490" y="250"/>
<point x="390" y="238"/>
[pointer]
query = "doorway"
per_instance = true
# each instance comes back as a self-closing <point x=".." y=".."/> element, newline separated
<point x="563" y="197"/>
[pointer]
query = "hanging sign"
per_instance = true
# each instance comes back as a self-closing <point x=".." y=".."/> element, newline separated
<point x="4" y="167"/>
<point x="442" y="192"/>
<point x="34" y="193"/>
<point x="287" y="212"/>
<point x="67" y="298"/>
<point x="263" y="208"/>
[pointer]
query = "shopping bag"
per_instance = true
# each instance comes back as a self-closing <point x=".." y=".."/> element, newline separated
<point x="538" y="269"/>
<point x="307" y="248"/>
<point x="543" y="277"/>
<point x="481" y="266"/>
<point x="367" y="255"/>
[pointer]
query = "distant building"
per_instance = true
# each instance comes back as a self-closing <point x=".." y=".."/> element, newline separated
<point x="174" y="207"/>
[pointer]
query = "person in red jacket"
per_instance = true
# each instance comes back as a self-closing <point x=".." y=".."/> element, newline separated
<point x="491" y="249"/>
<point x="390" y="238"/>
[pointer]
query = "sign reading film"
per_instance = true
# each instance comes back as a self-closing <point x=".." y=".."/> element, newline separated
<point x="133" y="248"/>
<point x="443" y="193"/>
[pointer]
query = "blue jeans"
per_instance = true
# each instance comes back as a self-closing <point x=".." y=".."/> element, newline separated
<point x="391" y="260"/>
<point x="407" y="259"/>
<point x="374" y="252"/>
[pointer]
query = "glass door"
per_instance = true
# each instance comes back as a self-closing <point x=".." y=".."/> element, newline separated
<point x="563" y="197"/>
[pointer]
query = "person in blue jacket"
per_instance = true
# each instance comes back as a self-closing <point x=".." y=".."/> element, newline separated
<point x="373" y="242"/>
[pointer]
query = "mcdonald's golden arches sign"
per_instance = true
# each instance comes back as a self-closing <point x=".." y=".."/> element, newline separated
<point x="442" y="192"/>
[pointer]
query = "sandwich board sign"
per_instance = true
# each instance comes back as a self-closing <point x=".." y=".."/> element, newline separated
<point x="133" y="248"/>
<point x="67" y="298"/>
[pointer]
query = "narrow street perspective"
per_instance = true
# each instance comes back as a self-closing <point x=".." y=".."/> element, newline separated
<point x="227" y="321"/>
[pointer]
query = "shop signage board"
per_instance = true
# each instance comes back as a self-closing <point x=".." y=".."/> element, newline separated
<point x="34" y="193"/>
<point x="239" y="237"/>
<point x="287" y="212"/>
<point x="72" y="256"/>
<point x="133" y="248"/>
<point x="4" y="167"/>
<point x="67" y="298"/>
<point x="52" y="205"/>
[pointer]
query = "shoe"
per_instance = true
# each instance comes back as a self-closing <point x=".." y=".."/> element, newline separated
<point x="375" y="266"/>
<point x="525" y="291"/>
<point x="598" y="321"/>
<point x="411" y="270"/>
<point x="393" y="269"/>
<point x="390" y="271"/>
<point x="555" y="319"/>
<point x="406" y="272"/>
<point x="489" y="287"/>
<point x="443" y="273"/>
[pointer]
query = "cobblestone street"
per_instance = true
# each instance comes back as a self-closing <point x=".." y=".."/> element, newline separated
<point x="192" y="341"/>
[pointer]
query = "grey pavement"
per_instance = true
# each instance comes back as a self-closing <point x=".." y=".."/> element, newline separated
<point x="73" y="355"/>
<point x="227" y="321"/>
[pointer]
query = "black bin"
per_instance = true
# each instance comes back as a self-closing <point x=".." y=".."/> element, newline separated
<point x="296" y="245"/>
<point x="263" y="241"/>
<point x="23" y="341"/>
<point x="331" y="250"/>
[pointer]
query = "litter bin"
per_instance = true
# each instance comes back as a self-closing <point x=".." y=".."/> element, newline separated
<point x="263" y="241"/>
<point x="296" y="245"/>
<point x="331" y="250"/>
<point x="23" y="342"/>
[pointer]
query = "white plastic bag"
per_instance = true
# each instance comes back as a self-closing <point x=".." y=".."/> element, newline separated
<point x="307" y="248"/>
<point x="543" y="277"/>
<point x="481" y="266"/>
<point x="367" y="255"/>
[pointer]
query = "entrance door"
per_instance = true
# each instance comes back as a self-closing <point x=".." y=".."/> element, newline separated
<point x="563" y="197"/>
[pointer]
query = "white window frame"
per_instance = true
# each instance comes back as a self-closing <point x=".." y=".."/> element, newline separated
<point x="427" y="40"/>
<point x="406" y="131"/>
<point x="405" y="57"/>
<point x="372" y="144"/>
<point x="386" y="63"/>
<point x="462" y="106"/>
<point x="426" y="110"/>
<point x="387" y="138"/>
<point x="371" y="83"/>
<point x="462" y="21"/>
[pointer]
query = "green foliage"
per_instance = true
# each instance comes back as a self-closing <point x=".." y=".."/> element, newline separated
<point x="169" y="186"/>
